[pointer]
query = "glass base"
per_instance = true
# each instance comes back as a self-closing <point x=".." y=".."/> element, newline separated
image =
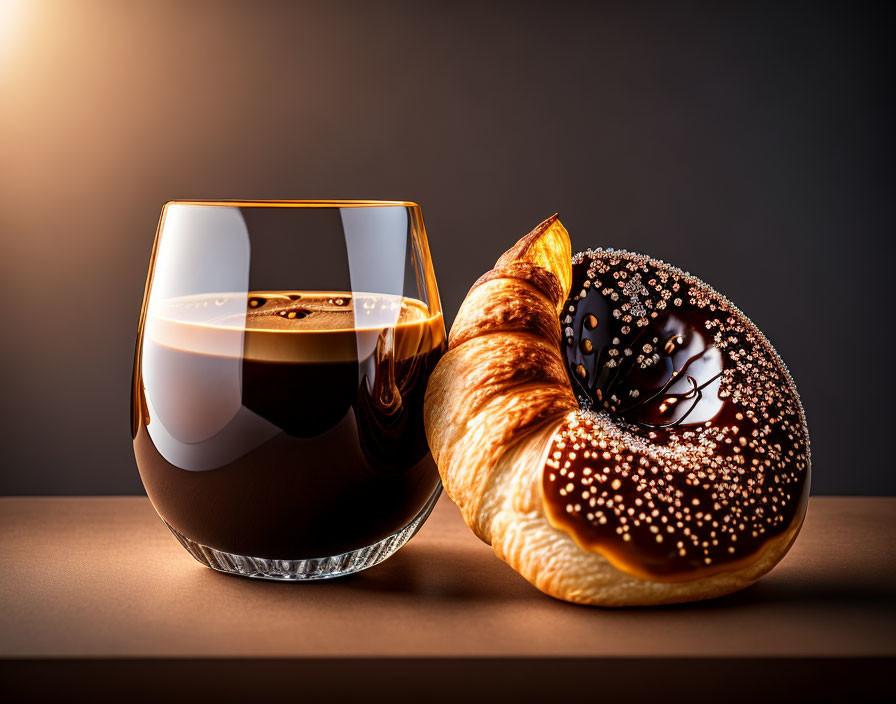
<point x="312" y="568"/>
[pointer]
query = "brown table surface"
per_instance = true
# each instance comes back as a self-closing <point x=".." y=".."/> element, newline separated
<point x="103" y="577"/>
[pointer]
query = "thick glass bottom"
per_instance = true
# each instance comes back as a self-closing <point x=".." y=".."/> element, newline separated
<point x="312" y="568"/>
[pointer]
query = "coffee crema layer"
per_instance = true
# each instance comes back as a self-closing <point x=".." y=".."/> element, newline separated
<point x="286" y="424"/>
<point x="690" y="450"/>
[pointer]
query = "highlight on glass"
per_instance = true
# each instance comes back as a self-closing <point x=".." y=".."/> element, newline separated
<point x="282" y="357"/>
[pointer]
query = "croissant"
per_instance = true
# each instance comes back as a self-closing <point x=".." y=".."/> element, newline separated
<point x="617" y="430"/>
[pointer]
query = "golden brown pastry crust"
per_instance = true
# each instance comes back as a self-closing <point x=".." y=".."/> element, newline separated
<point x="493" y="406"/>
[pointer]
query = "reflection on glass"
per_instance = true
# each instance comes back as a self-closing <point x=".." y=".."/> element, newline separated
<point x="282" y="359"/>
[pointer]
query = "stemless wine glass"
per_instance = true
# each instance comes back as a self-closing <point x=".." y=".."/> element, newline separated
<point x="282" y="357"/>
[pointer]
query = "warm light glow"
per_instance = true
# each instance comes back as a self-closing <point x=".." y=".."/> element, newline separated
<point x="11" y="13"/>
<point x="9" y="9"/>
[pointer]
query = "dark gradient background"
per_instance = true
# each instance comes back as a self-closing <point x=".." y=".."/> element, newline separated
<point x="751" y="144"/>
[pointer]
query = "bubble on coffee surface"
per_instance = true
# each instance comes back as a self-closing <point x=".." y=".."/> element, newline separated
<point x="690" y="449"/>
<point x="295" y="311"/>
<point x="298" y="311"/>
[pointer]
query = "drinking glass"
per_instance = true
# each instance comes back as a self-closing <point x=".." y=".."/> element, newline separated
<point x="282" y="357"/>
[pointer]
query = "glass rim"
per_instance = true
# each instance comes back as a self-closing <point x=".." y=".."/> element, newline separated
<point x="287" y="203"/>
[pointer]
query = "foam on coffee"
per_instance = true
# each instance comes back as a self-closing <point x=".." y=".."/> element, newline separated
<point x="307" y="326"/>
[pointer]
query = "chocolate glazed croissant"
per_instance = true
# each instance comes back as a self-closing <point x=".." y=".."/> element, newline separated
<point x="637" y="441"/>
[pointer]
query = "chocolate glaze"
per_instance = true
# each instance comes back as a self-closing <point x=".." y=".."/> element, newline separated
<point x="690" y="450"/>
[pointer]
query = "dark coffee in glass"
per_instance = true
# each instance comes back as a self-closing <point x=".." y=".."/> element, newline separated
<point x="279" y="433"/>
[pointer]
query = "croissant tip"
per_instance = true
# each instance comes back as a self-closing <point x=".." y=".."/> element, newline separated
<point x="546" y="223"/>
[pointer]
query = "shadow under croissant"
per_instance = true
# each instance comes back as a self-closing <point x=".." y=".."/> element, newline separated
<point x="827" y="590"/>
<point x="440" y="573"/>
